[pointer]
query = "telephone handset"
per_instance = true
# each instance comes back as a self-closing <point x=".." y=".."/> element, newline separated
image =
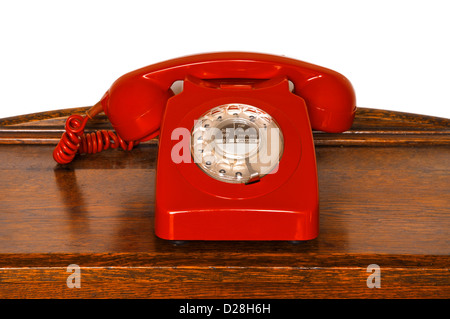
<point x="236" y="157"/>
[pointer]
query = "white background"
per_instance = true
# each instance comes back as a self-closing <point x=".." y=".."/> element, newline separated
<point x="61" y="54"/>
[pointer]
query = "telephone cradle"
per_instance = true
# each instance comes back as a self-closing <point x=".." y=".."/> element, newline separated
<point x="236" y="158"/>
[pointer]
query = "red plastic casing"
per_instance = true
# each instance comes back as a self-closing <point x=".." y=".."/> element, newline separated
<point x="191" y="205"/>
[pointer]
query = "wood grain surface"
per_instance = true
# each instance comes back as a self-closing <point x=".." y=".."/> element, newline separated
<point x="384" y="199"/>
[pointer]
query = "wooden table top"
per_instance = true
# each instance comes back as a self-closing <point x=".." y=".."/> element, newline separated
<point x="384" y="200"/>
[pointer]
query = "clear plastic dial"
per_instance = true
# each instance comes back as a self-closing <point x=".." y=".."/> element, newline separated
<point x="237" y="143"/>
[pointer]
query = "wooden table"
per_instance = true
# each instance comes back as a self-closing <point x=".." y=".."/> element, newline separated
<point x="384" y="200"/>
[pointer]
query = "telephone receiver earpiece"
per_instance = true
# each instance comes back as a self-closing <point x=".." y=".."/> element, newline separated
<point x="136" y="101"/>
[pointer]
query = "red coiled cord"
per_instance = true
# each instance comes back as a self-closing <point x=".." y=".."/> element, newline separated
<point x="74" y="140"/>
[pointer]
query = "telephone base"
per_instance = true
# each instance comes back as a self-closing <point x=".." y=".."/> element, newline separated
<point x="193" y="203"/>
<point x="178" y="243"/>
<point x="257" y="225"/>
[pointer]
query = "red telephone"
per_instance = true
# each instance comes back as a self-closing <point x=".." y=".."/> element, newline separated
<point x="236" y="157"/>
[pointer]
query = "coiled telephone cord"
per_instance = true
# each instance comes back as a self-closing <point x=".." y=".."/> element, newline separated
<point x="74" y="140"/>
